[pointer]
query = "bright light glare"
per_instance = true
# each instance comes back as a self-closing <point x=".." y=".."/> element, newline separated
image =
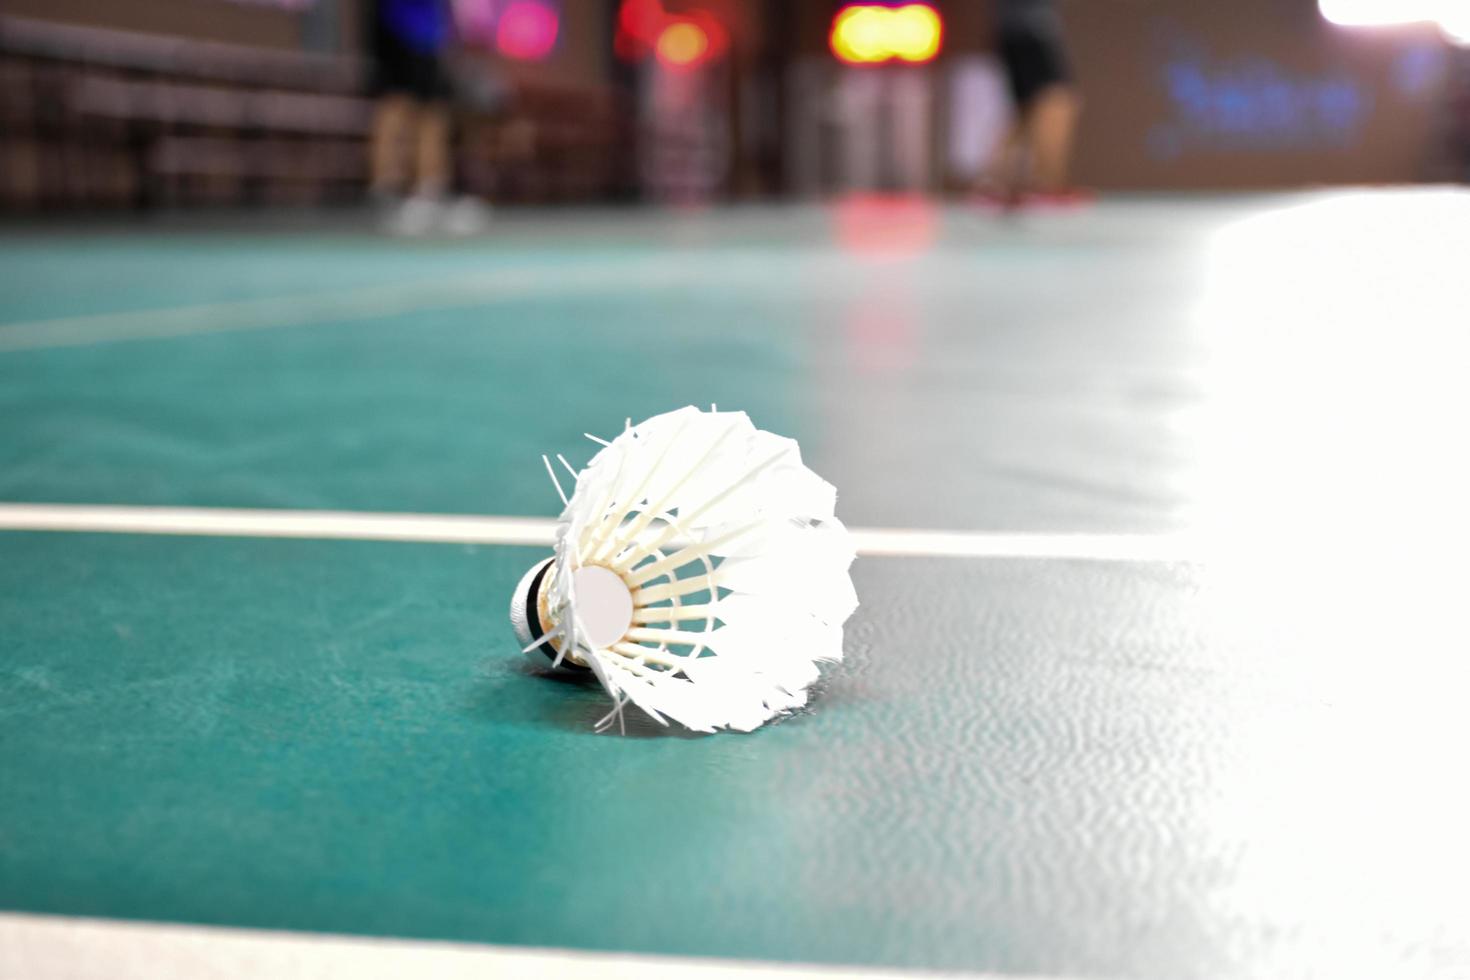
<point x="1335" y="342"/>
<point x="686" y="40"/>
<point x="683" y="44"/>
<point x="1457" y="24"/>
<point x="916" y="33"/>
<point x="1453" y="16"/>
<point x="1376" y="13"/>
<point x="857" y="34"/>
<point x="869" y="34"/>
<point x="1330" y="494"/>
<point x="527" y="30"/>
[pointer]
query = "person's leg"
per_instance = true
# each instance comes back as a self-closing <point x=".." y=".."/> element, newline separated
<point x="432" y="174"/>
<point x="1051" y="120"/>
<point x="1020" y="156"/>
<point x="392" y="120"/>
<point x="1024" y="59"/>
<point x="428" y="208"/>
<point x="1005" y="173"/>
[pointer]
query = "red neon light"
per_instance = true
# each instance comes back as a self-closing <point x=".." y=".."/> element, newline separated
<point x="680" y="41"/>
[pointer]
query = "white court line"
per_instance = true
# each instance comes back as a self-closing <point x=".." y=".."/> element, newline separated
<point x="473" y="529"/>
<point x="229" y="522"/>
<point x="336" y="306"/>
<point x="45" y="947"/>
<point x="370" y="302"/>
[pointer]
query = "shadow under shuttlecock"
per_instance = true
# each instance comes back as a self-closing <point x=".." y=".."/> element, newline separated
<point x="575" y="714"/>
<point x="582" y="713"/>
<point x="580" y="716"/>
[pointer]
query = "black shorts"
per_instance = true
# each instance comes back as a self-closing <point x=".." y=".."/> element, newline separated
<point x="1034" y="61"/>
<point x="400" y="70"/>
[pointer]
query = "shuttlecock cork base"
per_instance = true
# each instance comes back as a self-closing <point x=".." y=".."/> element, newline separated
<point x="700" y="574"/>
<point x="605" y="608"/>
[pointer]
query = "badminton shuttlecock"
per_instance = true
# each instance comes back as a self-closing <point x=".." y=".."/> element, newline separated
<point x="700" y="574"/>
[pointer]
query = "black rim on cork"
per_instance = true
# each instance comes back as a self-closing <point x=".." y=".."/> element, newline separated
<point x="533" y="620"/>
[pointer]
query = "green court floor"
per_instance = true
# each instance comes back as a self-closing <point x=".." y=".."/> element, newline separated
<point x="1246" y="762"/>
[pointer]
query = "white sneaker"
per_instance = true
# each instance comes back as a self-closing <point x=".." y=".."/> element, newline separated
<point x="464" y="217"/>
<point x="414" y="216"/>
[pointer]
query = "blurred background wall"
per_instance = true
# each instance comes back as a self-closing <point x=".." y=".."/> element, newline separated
<point x="1255" y="93"/>
<point x="166" y="103"/>
<point x="265" y="24"/>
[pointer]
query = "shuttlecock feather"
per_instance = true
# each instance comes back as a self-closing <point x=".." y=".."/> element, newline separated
<point x="700" y="574"/>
